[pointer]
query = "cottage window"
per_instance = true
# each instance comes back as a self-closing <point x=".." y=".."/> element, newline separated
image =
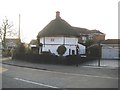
<point x="52" y="39"/>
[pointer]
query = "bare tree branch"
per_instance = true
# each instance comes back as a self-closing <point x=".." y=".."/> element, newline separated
<point x="5" y="28"/>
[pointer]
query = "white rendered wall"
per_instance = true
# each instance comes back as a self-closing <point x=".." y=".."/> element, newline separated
<point x="59" y="40"/>
<point x="53" y="49"/>
<point x="71" y="40"/>
<point x="52" y="43"/>
<point x="81" y="49"/>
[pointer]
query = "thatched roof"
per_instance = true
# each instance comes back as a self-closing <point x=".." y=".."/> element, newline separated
<point x="58" y="27"/>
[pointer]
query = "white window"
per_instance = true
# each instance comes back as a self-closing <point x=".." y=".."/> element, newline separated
<point x="91" y="38"/>
<point x="83" y="38"/>
<point x="52" y="39"/>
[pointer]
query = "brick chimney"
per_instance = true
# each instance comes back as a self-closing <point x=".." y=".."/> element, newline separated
<point x="57" y="15"/>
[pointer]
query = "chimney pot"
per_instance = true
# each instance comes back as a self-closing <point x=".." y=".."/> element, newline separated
<point x="57" y="14"/>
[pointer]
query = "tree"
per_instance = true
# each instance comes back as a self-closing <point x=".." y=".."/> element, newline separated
<point x="4" y="29"/>
<point x="0" y="35"/>
<point x="61" y="50"/>
<point x="20" y="48"/>
<point x="89" y="42"/>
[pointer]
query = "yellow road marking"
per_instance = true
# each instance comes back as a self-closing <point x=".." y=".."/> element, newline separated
<point x="3" y="70"/>
<point x="5" y="59"/>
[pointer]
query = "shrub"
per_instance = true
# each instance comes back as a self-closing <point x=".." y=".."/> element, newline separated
<point x="61" y="50"/>
<point x="6" y="53"/>
<point x="20" y="49"/>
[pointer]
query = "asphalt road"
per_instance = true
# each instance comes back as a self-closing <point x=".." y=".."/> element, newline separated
<point x="20" y="77"/>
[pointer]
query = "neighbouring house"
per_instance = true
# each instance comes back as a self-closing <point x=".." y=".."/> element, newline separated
<point x="10" y="45"/>
<point x="85" y="34"/>
<point x="12" y="42"/>
<point x="58" y="32"/>
<point x="33" y="45"/>
<point x="111" y="49"/>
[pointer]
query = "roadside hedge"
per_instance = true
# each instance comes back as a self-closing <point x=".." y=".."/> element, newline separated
<point x="49" y="58"/>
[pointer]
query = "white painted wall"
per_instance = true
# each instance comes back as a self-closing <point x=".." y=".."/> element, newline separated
<point x="52" y="43"/>
<point x="53" y="49"/>
<point x="71" y="40"/>
<point x="81" y="49"/>
<point x="54" y="40"/>
<point x="59" y="40"/>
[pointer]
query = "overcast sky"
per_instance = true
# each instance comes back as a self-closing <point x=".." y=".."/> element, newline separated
<point x="36" y="14"/>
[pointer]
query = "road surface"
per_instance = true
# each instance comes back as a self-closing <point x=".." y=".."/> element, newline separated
<point x="21" y="77"/>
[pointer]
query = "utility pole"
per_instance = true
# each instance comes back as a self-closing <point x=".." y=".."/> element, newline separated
<point x="19" y="30"/>
<point x="99" y="57"/>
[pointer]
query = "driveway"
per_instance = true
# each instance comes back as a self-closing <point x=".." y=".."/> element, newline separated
<point x="103" y="63"/>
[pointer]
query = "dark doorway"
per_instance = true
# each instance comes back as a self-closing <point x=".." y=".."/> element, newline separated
<point x="73" y="52"/>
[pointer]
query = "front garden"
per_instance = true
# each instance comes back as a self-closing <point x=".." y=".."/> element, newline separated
<point x="26" y="54"/>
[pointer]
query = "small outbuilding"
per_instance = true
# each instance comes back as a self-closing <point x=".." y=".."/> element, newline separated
<point x="110" y="49"/>
<point x="107" y="49"/>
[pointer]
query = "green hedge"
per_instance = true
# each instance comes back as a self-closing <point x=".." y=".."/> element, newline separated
<point x="48" y="59"/>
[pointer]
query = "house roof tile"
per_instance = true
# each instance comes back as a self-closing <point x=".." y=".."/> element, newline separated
<point x="86" y="31"/>
<point x="111" y="41"/>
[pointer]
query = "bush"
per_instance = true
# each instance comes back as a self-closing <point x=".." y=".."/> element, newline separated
<point x="73" y="59"/>
<point x="61" y="50"/>
<point x="6" y="53"/>
<point x="18" y="51"/>
<point x="46" y="57"/>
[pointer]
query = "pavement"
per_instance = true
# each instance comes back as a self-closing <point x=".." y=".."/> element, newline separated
<point x="106" y="64"/>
